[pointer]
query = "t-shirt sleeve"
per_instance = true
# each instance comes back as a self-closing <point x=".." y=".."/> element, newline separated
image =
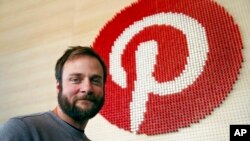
<point x="14" y="130"/>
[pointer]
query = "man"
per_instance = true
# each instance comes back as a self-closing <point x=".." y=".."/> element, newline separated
<point x="81" y="76"/>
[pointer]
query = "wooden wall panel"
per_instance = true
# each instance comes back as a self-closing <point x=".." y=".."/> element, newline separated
<point x="33" y="35"/>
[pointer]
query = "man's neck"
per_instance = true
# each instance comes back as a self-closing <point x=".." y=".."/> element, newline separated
<point x="79" y="125"/>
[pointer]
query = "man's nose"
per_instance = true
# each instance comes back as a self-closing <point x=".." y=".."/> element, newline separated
<point x="86" y="86"/>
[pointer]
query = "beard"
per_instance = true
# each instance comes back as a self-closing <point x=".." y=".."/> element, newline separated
<point x="76" y="113"/>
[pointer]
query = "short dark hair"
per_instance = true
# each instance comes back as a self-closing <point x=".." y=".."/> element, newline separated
<point x="75" y="51"/>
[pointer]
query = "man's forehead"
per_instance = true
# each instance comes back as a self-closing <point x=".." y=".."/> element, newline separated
<point x="78" y="66"/>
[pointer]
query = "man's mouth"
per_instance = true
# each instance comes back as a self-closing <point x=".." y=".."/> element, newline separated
<point x="85" y="101"/>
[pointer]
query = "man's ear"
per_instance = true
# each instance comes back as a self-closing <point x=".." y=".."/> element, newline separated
<point x="58" y="86"/>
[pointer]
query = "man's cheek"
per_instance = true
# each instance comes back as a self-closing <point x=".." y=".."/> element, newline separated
<point x="72" y="91"/>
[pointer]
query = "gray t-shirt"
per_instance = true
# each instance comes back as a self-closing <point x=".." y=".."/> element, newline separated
<point x="39" y="127"/>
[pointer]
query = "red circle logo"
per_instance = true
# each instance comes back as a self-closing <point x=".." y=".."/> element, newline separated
<point x="171" y="62"/>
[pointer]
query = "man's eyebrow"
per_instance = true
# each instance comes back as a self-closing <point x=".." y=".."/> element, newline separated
<point x="93" y="76"/>
<point x="97" y="76"/>
<point x="75" y="74"/>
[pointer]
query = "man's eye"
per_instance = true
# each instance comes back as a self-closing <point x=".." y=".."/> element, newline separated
<point x="97" y="81"/>
<point x="75" y="80"/>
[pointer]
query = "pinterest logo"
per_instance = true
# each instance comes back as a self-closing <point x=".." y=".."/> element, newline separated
<point x="170" y="64"/>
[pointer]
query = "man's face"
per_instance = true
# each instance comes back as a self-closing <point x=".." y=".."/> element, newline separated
<point x="81" y="95"/>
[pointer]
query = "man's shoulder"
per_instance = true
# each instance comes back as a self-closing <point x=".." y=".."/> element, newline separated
<point x="25" y="120"/>
<point x="31" y="116"/>
<point x="23" y="127"/>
